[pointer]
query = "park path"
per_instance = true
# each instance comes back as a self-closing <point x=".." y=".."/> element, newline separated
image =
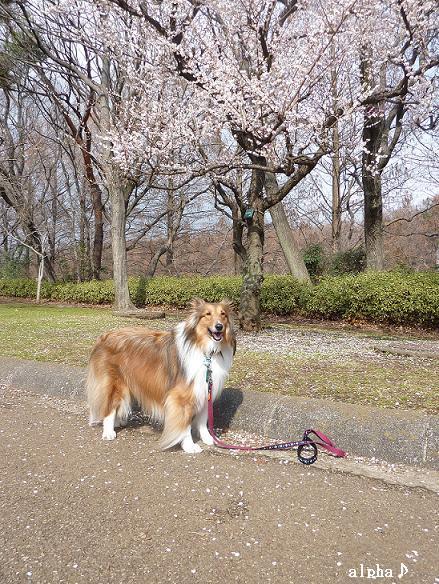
<point x="76" y="509"/>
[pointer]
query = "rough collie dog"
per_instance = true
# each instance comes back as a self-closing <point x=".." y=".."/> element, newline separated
<point x="164" y="372"/>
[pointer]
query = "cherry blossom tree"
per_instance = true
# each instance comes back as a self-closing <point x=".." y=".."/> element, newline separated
<point x="398" y="76"/>
<point x="261" y="74"/>
<point x="174" y="78"/>
<point x="81" y="45"/>
<point x="258" y="73"/>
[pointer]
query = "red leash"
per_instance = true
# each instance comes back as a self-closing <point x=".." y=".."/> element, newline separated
<point x="306" y="448"/>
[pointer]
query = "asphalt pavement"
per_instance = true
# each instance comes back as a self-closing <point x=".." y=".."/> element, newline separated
<point x="74" y="508"/>
<point x="396" y="436"/>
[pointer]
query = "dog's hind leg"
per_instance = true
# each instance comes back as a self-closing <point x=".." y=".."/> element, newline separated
<point x="115" y="407"/>
<point x="94" y="420"/>
<point x="108" y="432"/>
<point x="188" y="445"/>
<point x="118" y="408"/>
<point x="94" y="396"/>
<point x="123" y="412"/>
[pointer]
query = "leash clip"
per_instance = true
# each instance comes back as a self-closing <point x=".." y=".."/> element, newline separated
<point x="208" y="364"/>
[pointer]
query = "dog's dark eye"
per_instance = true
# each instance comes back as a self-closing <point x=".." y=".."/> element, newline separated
<point x="208" y="314"/>
<point x="223" y="314"/>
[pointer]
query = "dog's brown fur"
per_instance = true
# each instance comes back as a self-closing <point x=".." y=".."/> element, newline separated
<point x="138" y="363"/>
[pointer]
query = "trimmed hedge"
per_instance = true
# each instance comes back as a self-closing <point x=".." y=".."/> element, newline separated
<point x="93" y="292"/>
<point x="383" y="297"/>
<point x="173" y="291"/>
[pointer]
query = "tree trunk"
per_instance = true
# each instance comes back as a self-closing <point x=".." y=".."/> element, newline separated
<point x="98" y="237"/>
<point x="170" y="225"/>
<point x="152" y="266"/>
<point x="51" y="228"/>
<point x="250" y="301"/>
<point x="373" y="128"/>
<point x="40" y="277"/>
<point x="285" y="236"/>
<point x="169" y="258"/>
<point x="237" y="264"/>
<point x="373" y="221"/>
<point x="117" y="192"/>
<point x="336" y="202"/>
<point x="98" y="211"/>
<point x="83" y="258"/>
<point x="288" y="243"/>
<point x="27" y="262"/>
<point x="373" y="199"/>
<point x="239" y="252"/>
<point x="36" y="240"/>
<point x="174" y="216"/>
<point x="122" y="299"/>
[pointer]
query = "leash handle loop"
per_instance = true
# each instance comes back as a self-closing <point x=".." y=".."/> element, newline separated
<point x="326" y="443"/>
<point x="307" y="458"/>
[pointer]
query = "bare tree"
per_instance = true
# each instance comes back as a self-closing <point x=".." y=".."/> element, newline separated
<point x="16" y="185"/>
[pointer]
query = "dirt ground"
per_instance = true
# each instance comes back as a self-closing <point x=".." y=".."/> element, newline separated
<point x="367" y="367"/>
<point x="74" y="508"/>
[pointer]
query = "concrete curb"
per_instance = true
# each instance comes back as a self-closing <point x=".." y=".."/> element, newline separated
<point x="394" y="436"/>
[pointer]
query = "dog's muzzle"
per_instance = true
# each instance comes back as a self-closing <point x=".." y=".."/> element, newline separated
<point x="217" y="334"/>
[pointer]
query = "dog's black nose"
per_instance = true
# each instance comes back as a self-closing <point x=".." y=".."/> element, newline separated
<point x="219" y="327"/>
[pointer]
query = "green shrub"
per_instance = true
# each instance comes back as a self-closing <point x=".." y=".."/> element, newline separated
<point x="382" y="297"/>
<point x="331" y="298"/>
<point x="284" y="295"/>
<point x="396" y="297"/>
<point x="92" y="292"/>
<point x="12" y="267"/>
<point x="351" y="261"/>
<point x="18" y="287"/>
<point x="315" y="259"/>
<point x="403" y="268"/>
<point x="280" y="294"/>
<point x="174" y="291"/>
<point x="137" y="288"/>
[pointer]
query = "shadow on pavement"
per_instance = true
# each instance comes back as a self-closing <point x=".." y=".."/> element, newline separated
<point x="226" y="406"/>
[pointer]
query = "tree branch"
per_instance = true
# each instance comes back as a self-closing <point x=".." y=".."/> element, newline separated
<point x="413" y="217"/>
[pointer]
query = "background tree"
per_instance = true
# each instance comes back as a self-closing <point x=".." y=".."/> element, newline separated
<point x="397" y="82"/>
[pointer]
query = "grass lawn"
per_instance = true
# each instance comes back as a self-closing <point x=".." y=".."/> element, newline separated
<point x="287" y="360"/>
<point x="52" y="333"/>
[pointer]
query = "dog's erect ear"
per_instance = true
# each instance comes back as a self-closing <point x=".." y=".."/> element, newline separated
<point x="196" y="303"/>
<point x="227" y="304"/>
<point x="196" y="306"/>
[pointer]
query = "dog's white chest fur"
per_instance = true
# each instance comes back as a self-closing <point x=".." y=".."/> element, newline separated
<point x="194" y="365"/>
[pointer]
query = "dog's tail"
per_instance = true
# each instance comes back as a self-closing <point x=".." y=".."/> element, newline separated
<point x="94" y="396"/>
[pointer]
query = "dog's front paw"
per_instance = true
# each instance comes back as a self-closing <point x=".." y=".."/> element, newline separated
<point x="206" y="438"/>
<point x="108" y="435"/>
<point x="190" y="447"/>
